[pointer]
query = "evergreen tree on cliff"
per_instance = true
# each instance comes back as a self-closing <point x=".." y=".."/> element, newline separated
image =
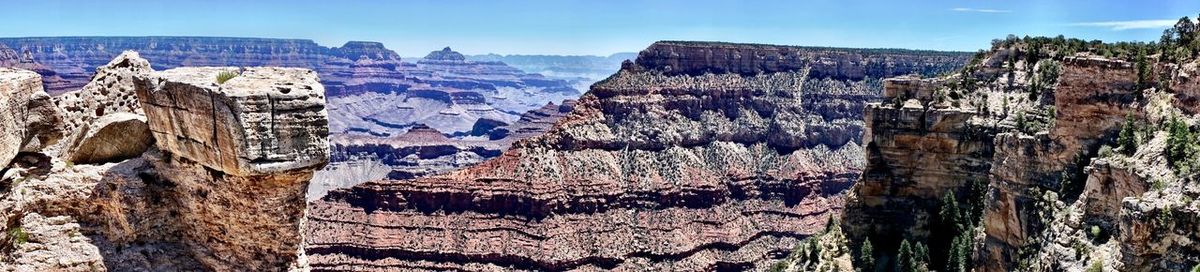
<point x="866" y="258"/>
<point x="1127" y="138"/>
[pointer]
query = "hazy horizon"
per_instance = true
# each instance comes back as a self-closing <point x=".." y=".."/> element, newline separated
<point x="546" y="27"/>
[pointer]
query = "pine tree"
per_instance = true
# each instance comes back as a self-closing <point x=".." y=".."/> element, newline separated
<point x="921" y="252"/>
<point x="1128" y="139"/>
<point x="1143" y="73"/>
<point x="904" y="258"/>
<point x="866" y="259"/>
<point x="950" y="214"/>
<point x="959" y="249"/>
<point x="1180" y="145"/>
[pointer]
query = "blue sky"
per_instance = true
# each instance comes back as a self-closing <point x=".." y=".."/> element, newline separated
<point x="601" y="27"/>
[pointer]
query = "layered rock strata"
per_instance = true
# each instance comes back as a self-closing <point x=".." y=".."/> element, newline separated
<point x="915" y="151"/>
<point x="689" y="167"/>
<point x="1092" y="100"/>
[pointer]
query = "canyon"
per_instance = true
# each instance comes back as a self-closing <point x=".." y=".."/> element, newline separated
<point x="374" y="97"/>
<point x="695" y="156"/>
<point x="1038" y="154"/>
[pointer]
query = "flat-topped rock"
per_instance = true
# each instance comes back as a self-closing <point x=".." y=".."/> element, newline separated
<point x="910" y="86"/>
<point x="265" y="120"/>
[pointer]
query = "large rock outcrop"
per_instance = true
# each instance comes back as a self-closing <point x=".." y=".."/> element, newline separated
<point x="231" y="201"/>
<point x="242" y="153"/>
<point x="916" y="151"/>
<point x="655" y="168"/>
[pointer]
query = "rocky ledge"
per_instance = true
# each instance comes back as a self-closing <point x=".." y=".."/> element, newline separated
<point x="651" y="170"/>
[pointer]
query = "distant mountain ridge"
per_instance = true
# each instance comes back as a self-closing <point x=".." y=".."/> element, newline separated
<point x="591" y="67"/>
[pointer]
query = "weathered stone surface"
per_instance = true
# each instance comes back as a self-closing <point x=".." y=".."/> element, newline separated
<point x="265" y="120"/>
<point x="110" y="91"/>
<point x="111" y="138"/>
<point x="25" y="113"/>
<point x="914" y="156"/>
<point x="44" y="123"/>
<point x="911" y="87"/>
<point x="114" y="216"/>
<point x="242" y="153"/>
<point x="238" y="223"/>
<point x="1092" y="99"/>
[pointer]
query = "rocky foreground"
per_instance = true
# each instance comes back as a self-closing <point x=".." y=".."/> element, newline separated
<point x="169" y="170"/>
<point x="698" y="156"/>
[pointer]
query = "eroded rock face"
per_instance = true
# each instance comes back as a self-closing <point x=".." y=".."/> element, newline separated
<point x="914" y="155"/>
<point x="263" y="121"/>
<point x="1092" y="99"/>
<point x="124" y="205"/>
<point x="111" y="91"/>
<point x="241" y="153"/>
<point x="25" y="114"/>
<point x="653" y="169"/>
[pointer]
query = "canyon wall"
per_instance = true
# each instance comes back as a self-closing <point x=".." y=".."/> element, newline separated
<point x="684" y="160"/>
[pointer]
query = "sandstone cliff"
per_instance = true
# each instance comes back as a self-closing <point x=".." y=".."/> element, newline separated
<point x="687" y="167"/>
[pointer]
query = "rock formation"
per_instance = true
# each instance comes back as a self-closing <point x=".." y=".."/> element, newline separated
<point x="26" y="114"/>
<point x="251" y="144"/>
<point x="1040" y="129"/>
<point x="710" y="165"/>
<point x="221" y="189"/>
<point x="111" y="138"/>
<point x="109" y="92"/>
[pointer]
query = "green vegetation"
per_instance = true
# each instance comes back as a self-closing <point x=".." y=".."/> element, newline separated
<point x="1196" y="268"/>
<point x="1180" y="42"/>
<point x="1046" y="76"/>
<point x="807" y="254"/>
<point x="866" y="258"/>
<point x="225" y="76"/>
<point x="905" y="262"/>
<point x="1097" y="266"/>
<point x="1021" y="123"/>
<point x="18" y="236"/>
<point x="1143" y="74"/>
<point x="1128" y="138"/>
<point x="1181" y="146"/>
<point x="1095" y="231"/>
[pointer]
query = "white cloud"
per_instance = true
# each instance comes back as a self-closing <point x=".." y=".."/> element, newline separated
<point x="1127" y="25"/>
<point x="981" y="10"/>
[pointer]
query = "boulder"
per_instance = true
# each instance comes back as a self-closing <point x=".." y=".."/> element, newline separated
<point x="44" y="123"/>
<point x="25" y="114"/>
<point x="112" y="138"/>
<point x="109" y="92"/>
<point x="265" y="120"/>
